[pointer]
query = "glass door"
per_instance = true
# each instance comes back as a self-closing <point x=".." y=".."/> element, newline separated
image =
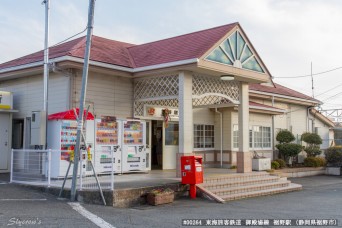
<point x="171" y="142"/>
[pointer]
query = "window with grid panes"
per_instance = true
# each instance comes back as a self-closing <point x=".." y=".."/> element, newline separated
<point x="259" y="137"/>
<point x="236" y="136"/>
<point x="203" y="136"/>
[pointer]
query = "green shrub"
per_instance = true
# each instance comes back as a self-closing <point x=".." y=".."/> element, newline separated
<point x="233" y="167"/>
<point x="312" y="162"/>
<point x="289" y="149"/>
<point x="313" y="141"/>
<point x="333" y="155"/>
<point x="275" y="165"/>
<point x="311" y="138"/>
<point x="322" y="161"/>
<point x="282" y="163"/>
<point x="312" y="151"/>
<point x="285" y="136"/>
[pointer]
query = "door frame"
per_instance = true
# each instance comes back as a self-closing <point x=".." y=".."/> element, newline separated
<point x="148" y="144"/>
<point x="9" y="142"/>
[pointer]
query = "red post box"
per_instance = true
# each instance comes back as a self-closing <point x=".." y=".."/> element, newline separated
<point x="192" y="172"/>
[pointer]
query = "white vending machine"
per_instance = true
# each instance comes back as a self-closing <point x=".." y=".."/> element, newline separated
<point x="108" y="141"/>
<point x="133" y="146"/>
<point x="62" y="138"/>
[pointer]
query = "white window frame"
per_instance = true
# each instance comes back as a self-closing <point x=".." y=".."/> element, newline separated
<point x="204" y="137"/>
<point x="252" y="129"/>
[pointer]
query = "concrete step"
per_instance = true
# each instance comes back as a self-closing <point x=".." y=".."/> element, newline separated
<point x="291" y="187"/>
<point x="236" y="183"/>
<point x="237" y="186"/>
<point x="250" y="188"/>
<point x="235" y="177"/>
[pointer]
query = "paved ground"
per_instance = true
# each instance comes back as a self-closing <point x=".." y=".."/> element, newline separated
<point x="320" y="199"/>
<point x="130" y="180"/>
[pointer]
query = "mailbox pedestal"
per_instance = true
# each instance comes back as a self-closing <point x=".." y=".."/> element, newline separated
<point x="192" y="172"/>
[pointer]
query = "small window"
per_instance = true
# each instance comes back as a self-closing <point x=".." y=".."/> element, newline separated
<point x="203" y="136"/>
<point x="172" y="134"/>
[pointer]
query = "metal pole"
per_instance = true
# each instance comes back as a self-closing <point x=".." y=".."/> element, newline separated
<point x="11" y="177"/>
<point x="98" y="184"/>
<point x="49" y="167"/>
<point x="46" y="65"/>
<point x="81" y="174"/>
<point x="83" y="95"/>
<point x="312" y="83"/>
<point x="112" y="171"/>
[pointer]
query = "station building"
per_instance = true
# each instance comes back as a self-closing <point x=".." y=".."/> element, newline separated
<point x="218" y="93"/>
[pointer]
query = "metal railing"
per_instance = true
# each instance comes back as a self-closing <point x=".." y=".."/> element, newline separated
<point x="49" y="168"/>
<point x="31" y="167"/>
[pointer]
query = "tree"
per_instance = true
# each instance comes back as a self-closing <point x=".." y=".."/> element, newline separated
<point x="313" y="141"/>
<point x="285" y="147"/>
<point x="285" y="136"/>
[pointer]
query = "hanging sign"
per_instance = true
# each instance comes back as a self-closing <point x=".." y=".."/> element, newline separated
<point x="6" y="100"/>
<point x="151" y="111"/>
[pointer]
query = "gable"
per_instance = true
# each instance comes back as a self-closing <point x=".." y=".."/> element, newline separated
<point x="236" y="51"/>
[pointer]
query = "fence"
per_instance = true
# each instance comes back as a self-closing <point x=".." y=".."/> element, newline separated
<point x="49" y="168"/>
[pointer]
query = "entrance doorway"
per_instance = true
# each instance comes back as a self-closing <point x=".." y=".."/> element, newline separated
<point x="4" y="140"/>
<point x="157" y="145"/>
<point x="18" y="134"/>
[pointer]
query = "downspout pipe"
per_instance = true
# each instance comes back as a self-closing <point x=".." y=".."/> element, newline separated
<point x="307" y="118"/>
<point x="273" y="129"/>
<point x="221" y="135"/>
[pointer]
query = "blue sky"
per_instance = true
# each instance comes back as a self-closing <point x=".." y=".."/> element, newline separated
<point x="288" y="34"/>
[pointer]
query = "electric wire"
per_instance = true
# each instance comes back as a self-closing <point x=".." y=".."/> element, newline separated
<point x="335" y="95"/>
<point x="309" y="75"/>
<point x="329" y="90"/>
<point x="70" y="37"/>
<point x="40" y="54"/>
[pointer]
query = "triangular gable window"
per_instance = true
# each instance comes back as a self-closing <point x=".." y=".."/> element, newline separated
<point x="236" y="52"/>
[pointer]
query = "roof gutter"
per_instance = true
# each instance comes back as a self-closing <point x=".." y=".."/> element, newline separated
<point x="165" y="65"/>
<point x="21" y="67"/>
<point x="104" y="65"/>
<point x="284" y="96"/>
<point x="267" y="109"/>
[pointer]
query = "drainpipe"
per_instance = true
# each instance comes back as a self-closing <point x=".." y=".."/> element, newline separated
<point x="221" y="135"/>
<point x="307" y="118"/>
<point x="273" y="129"/>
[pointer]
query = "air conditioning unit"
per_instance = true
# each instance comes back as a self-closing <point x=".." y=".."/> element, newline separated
<point x="38" y="126"/>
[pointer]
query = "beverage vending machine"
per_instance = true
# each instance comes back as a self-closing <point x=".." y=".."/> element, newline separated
<point x="108" y="141"/>
<point x="133" y="146"/>
<point x="61" y="138"/>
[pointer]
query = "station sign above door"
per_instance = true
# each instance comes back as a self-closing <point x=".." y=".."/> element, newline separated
<point x="158" y="112"/>
<point x="6" y="100"/>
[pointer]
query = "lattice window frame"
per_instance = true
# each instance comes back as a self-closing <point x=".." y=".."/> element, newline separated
<point x="210" y="90"/>
<point x="156" y="87"/>
<point x="161" y="90"/>
<point x="164" y="90"/>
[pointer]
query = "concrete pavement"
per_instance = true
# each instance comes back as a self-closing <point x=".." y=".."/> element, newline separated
<point x="320" y="199"/>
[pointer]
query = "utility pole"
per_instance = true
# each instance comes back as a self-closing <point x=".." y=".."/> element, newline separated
<point x="312" y="83"/>
<point x="82" y="97"/>
<point x="46" y="66"/>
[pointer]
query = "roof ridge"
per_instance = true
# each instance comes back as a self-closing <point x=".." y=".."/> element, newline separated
<point x="101" y="37"/>
<point x="76" y="46"/>
<point x="139" y="45"/>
